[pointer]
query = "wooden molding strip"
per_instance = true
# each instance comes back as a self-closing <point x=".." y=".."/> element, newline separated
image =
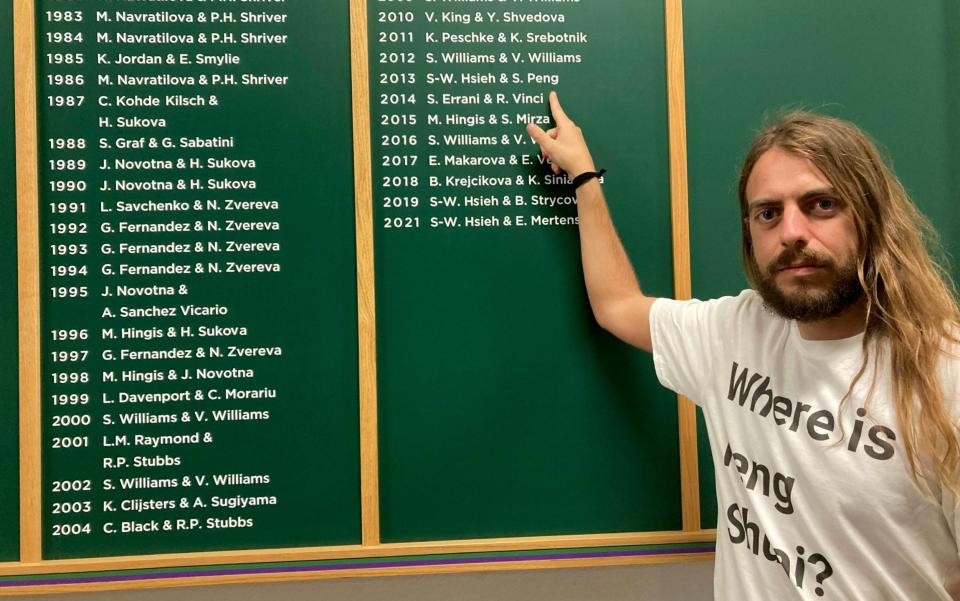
<point x="173" y="560"/>
<point x="689" y="464"/>
<point x="28" y="276"/>
<point x="677" y="116"/>
<point x="366" y="297"/>
<point x="354" y="573"/>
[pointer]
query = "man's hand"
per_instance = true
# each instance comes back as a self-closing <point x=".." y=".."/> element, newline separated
<point x="618" y="304"/>
<point x="564" y="144"/>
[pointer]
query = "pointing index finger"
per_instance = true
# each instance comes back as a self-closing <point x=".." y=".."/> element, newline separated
<point x="541" y="137"/>
<point x="556" y="109"/>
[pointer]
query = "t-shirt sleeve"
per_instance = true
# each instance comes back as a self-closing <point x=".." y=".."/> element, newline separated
<point x="684" y="336"/>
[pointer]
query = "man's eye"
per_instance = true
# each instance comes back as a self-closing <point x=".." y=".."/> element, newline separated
<point x="826" y="204"/>
<point x="765" y="215"/>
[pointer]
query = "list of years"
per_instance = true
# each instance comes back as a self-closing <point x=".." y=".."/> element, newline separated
<point x="166" y="226"/>
<point x="454" y="84"/>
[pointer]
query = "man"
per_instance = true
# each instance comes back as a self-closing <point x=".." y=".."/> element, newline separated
<point x="831" y="389"/>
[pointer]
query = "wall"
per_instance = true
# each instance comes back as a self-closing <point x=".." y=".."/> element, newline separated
<point x="691" y="582"/>
<point x="952" y="20"/>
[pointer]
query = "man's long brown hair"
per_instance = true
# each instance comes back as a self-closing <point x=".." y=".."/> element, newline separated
<point x="910" y="299"/>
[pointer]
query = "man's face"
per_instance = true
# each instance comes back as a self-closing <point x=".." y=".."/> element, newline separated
<point x="803" y="237"/>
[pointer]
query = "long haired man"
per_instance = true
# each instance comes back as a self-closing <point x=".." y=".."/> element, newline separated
<point x="830" y="388"/>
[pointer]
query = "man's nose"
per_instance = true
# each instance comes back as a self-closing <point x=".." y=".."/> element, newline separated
<point x="794" y="227"/>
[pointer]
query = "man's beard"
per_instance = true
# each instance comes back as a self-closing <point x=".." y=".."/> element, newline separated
<point x="810" y="302"/>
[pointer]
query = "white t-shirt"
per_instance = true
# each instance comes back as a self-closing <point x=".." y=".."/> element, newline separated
<point x="805" y="513"/>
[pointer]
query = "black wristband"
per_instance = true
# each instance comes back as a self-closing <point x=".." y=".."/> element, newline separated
<point x="587" y="176"/>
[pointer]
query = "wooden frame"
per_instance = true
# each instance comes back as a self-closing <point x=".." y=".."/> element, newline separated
<point x="28" y="276"/>
<point x="366" y="302"/>
<point x="31" y="562"/>
<point x="677" y="117"/>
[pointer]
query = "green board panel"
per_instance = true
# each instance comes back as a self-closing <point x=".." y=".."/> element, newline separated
<point x="9" y="437"/>
<point x="198" y="268"/>
<point x="504" y="409"/>
<point x="952" y="20"/>
<point x="883" y="65"/>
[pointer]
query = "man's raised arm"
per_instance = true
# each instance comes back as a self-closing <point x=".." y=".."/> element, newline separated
<point x="615" y="296"/>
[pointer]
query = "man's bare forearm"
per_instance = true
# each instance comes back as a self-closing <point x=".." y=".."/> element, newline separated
<point x="607" y="271"/>
<point x="615" y="297"/>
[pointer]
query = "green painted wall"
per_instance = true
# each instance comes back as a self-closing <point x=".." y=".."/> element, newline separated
<point x="882" y="64"/>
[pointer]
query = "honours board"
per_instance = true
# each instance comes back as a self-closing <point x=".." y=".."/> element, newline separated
<point x="202" y="264"/>
<point x="9" y="448"/>
<point x="211" y="288"/>
<point x="199" y="326"/>
<point x="504" y="409"/>
<point x="905" y="94"/>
